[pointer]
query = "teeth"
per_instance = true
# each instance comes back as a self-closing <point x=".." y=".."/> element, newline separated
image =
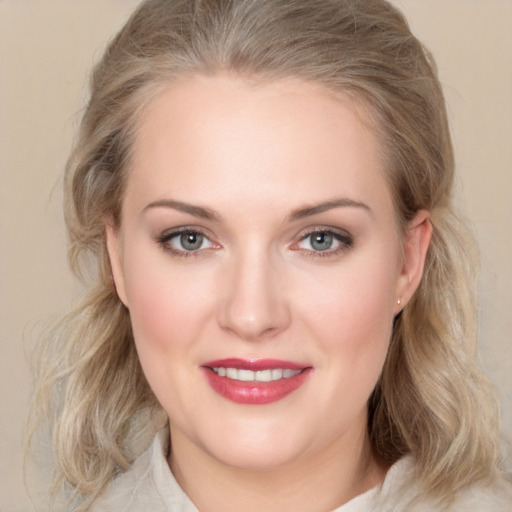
<point x="277" y="374"/>
<point x="245" y="375"/>
<point x="263" y="375"/>
<point x="258" y="376"/>
<point x="231" y="373"/>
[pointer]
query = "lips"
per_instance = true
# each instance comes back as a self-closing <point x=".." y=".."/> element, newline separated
<point x="255" y="382"/>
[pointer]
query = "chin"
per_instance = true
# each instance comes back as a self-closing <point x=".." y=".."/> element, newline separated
<point x="258" y="447"/>
<point x="256" y="457"/>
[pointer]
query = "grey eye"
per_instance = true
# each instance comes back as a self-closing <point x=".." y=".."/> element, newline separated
<point x="186" y="242"/>
<point x="321" y="241"/>
<point x="191" y="241"/>
<point x="324" y="242"/>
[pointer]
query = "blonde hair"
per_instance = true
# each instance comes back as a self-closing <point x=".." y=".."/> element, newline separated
<point x="431" y="400"/>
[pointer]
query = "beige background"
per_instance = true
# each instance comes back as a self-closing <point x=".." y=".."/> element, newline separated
<point x="46" y="50"/>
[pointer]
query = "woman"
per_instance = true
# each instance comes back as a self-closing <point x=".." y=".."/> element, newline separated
<point x="282" y="315"/>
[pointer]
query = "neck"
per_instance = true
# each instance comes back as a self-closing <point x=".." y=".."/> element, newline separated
<point x="318" y="482"/>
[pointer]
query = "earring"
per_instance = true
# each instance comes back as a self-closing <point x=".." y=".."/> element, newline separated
<point x="399" y="301"/>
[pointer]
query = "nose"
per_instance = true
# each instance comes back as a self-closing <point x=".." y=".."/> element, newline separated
<point x="253" y="304"/>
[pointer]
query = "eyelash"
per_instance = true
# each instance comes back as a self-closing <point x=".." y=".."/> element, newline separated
<point x="345" y="242"/>
<point x="344" y="239"/>
<point x="165" y="239"/>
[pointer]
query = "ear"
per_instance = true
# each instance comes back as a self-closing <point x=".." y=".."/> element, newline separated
<point x="114" y="249"/>
<point x="415" y="246"/>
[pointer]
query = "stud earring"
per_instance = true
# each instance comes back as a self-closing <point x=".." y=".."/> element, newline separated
<point x="399" y="301"/>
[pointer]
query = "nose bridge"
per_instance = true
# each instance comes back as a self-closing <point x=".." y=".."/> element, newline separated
<point x="254" y="304"/>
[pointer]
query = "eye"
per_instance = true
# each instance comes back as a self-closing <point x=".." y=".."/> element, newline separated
<point x="190" y="241"/>
<point x="321" y="241"/>
<point x="185" y="241"/>
<point x="324" y="241"/>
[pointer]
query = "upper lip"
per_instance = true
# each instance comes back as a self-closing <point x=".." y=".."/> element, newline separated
<point x="254" y="364"/>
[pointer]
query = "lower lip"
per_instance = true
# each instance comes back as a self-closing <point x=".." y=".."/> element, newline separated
<point x="254" y="392"/>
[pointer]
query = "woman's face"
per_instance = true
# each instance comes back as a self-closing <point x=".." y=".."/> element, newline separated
<point x="260" y="260"/>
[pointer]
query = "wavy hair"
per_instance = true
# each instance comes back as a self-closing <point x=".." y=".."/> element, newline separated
<point x="431" y="401"/>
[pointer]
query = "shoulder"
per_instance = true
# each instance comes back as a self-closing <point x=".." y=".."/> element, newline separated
<point x="134" y="489"/>
<point x="399" y="492"/>
<point x="497" y="498"/>
<point x="147" y="485"/>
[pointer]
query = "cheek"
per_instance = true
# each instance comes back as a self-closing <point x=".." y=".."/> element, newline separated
<point x="166" y="305"/>
<point x="351" y="312"/>
<point x="169" y="309"/>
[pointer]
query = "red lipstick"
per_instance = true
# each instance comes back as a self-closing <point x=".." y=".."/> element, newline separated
<point x="257" y="382"/>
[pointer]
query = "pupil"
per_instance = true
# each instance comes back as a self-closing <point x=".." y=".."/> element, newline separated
<point x="321" y="241"/>
<point x="191" y="241"/>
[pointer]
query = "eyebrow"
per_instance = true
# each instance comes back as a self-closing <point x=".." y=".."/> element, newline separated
<point x="196" y="211"/>
<point x="341" y="202"/>
<point x="297" y="214"/>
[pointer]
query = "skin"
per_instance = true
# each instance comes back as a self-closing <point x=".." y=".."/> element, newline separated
<point x="254" y="156"/>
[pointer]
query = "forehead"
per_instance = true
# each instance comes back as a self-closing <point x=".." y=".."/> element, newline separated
<point x="222" y="136"/>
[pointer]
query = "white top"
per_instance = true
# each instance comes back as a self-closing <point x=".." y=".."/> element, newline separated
<point x="149" y="485"/>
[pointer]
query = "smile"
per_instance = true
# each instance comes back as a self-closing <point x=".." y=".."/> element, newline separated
<point x="255" y="382"/>
<point x="268" y="375"/>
